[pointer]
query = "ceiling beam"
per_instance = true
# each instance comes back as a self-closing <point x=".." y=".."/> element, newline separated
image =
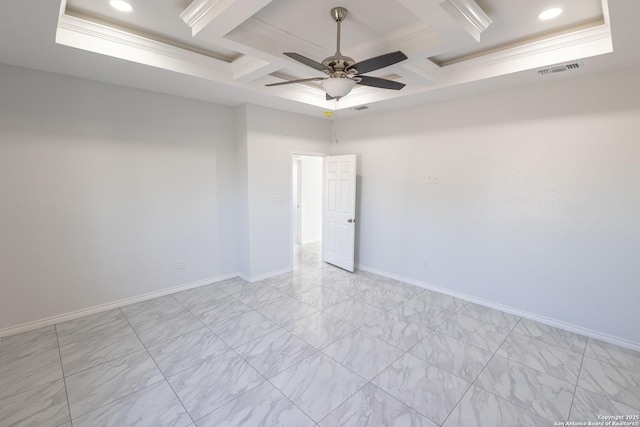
<point x="221" y="16"/>
<point x="469" y="15"/>
<point x="248" y="68"/>
<point x="568" y="47"/>
<point x="416" y="41"/>
<point x="450" y="18"/>
<point x="92" y="37"/>
<point x="423" y="72"/>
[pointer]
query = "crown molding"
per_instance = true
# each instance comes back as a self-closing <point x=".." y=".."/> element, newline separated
<point x="248" y="68"/>
<point x="222" y="15"/>
<point x="469" y="15"/>
<point x="425" y="71"/>
<point x="82" y="34"/>
<point x="580" y="45"/>
<point x="200" y="12"/>
<point x="586" y="43"/>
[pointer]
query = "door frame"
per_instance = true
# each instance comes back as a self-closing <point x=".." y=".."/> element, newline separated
<point x="297" y="193"/>
<point x="292" y="155"/>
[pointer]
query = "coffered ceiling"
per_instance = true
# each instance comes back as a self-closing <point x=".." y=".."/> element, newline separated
<point x="226" y="51"/>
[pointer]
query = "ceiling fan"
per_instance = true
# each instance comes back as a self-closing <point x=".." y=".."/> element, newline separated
<point x="343" y="73"/>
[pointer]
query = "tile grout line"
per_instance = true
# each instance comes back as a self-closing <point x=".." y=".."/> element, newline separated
<point x="522" y="365"/>
<point x="64" y="377"/>
<point x="557" y="377"/>
<point x="158" y="368"/>
<point x="326" y="355"/>
<point x="431" y="329"/>
<point x="259" y="373"/>
<point x="437" y="367"/>
<point x="573" y="398"/>
<point x="383" y="390"/>
<point x="405" y="352"/>
<point x="468" y="343"/>
<point x="527" y="334"/>
<point x="343" y="402"/>
<point x="231" y="348"/>
<point x="472" y="383"/>
<point x="486" y="323"/>
<point x="500" y="397"/>
<point x="287" y="397"/>
<point x="284" y="369"/>
<point x="536" y="339"/>
<point x="198" y="364"/>
<point x="511" y="331"/>
<point x="103" y="363"/>
<point x="358" y="328"/>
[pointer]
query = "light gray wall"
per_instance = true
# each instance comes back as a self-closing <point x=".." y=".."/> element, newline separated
<point x="538" y="206"/>
<point x="311" y="203"/>
<point x="272" y="137"/>
<point x="102" y="190"/>
<point x="242" y="194"/>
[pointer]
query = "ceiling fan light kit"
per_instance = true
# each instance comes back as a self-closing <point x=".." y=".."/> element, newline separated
<point x="343" y="73"/>
<point x="338" y="87"/>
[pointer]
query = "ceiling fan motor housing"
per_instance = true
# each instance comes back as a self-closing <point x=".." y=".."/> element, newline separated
<point x="338" y="62"/>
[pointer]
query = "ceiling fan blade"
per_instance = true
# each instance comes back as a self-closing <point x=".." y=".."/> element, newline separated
<point x="381" y="83"/>
<point x="378" y="62"/>
<point x="296" y="81"/>
<point x="308" y="62"/>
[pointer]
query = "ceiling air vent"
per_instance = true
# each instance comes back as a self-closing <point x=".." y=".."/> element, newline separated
<point x="560" y="68"/>
<point x="360" y="107"/>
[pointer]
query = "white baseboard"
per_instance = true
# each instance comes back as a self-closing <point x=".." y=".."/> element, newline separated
<point x="517" y="312"/>
<point x="110" y="306"/>
<point x="264" y="276"/>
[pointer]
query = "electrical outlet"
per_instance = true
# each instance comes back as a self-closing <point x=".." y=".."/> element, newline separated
<point x="180" y="264"/>
<point x="425" y="263"/>
<point x="433" y="179"/>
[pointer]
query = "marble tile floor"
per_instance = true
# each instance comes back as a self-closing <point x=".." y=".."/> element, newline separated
<point x="315" y="347"/>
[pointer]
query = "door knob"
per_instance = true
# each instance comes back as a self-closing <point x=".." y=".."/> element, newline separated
<point x="351" y="220"/>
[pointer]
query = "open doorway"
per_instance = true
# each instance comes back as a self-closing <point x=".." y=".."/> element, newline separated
<point x="306" y="209"/>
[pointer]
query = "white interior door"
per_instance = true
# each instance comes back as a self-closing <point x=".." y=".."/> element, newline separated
<point x="339" y="204"/>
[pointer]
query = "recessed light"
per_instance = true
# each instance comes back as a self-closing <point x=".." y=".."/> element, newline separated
<point x="550" y="13"/>
<point x="121" y="5"/>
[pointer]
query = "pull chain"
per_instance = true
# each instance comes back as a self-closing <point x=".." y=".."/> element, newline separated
<point x="335" y="123"/>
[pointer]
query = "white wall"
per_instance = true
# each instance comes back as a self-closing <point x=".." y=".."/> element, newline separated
<point x="242" y="193"/>
<point x="311" y="203"/>
<point x="538" y="206"/>
<point x="103" y="188"/>
<point x="272" y="137"/>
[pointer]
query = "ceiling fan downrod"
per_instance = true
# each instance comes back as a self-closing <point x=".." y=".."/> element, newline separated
<point x="338" y="14"/>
